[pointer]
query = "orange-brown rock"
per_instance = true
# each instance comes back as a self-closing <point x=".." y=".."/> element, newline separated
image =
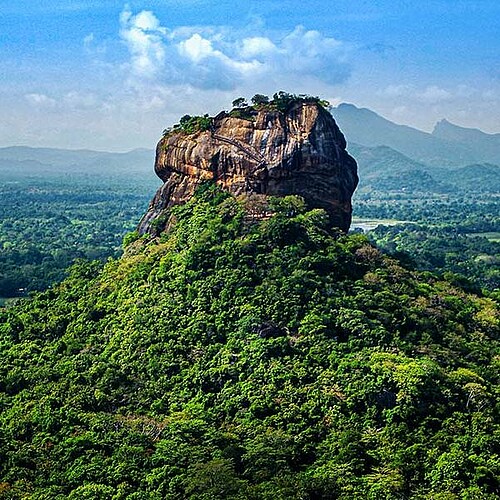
<point x="300" y="151"/>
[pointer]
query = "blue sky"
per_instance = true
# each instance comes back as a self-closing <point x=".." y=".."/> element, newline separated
<point x="111" y="75"/>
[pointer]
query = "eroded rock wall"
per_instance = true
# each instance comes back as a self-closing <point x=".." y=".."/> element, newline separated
<point x="300" y="151"/>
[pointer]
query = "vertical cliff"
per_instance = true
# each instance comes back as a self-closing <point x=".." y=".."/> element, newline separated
<point x="266" y="151"/>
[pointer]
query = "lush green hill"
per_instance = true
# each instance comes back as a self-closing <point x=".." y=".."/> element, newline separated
<point x="59" y="205"/>
<point x="477" y="178"/>
<point x="383" y="169"/>
<point x="272" y="360"/>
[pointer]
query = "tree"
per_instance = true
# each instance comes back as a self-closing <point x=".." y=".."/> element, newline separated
<point x="260" y="100"/>
<point x="184" y="120"/>
<point x="240" y="102"/>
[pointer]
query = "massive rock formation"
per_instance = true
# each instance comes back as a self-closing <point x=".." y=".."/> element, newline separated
<point x="299" y="151"/>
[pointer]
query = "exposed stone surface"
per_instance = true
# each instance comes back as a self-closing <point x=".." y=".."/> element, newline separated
<point x="300" y="151"/>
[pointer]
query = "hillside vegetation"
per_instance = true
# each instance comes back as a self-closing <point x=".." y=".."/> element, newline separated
<point x="453" y="213"/>
<point x="272" y="360"/>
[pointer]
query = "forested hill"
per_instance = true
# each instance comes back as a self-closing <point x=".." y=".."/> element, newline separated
<point x="236" y="360"/>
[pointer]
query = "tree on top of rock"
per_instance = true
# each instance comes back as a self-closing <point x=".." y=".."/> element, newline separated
<point x="240" y="102"/>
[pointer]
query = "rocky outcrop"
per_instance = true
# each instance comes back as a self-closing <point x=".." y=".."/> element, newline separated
<point x="300" y="151"/>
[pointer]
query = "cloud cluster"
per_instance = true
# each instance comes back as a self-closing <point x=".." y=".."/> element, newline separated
<point x="162" y="73"/>
<point x="128" y="87"/>
<point x="144" y="37"/>
<point x="210" y="59"/>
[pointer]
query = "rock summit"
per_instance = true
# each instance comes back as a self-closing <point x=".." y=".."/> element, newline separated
<point x="268" y="150"/>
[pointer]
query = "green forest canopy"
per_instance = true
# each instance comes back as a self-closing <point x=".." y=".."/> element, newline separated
<point x="275" y="360"/>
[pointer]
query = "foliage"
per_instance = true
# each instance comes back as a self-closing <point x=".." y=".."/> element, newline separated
<point x="191" y="124"/>
<point x="240" y="102"/>
<point x="241" y="109"/>
<point x="457" y="232"/>
<point x="455" y="222"/>
<point x="49" y="219"/>
<point x="129" y="238"/>
<point x="281" y="102"/>
<point x="263" y="361"/>
<point x="442" y="248"/>
<point x="260" y="100"/>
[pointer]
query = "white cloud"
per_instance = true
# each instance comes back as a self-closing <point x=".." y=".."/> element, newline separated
<point x="147" y="21"/>
<point x="40" y="100"/>
<point x="164" y="73"/>
<point x="434" y="95"/>
<point x="204" y="66"/>
<point x="208" y="58"/>
<point x="257" y="47"/>
<point x="144" y="37"/>
<point x="311" y="52"/>
<point x="197" y="48"/>
<point x="80" y="100"/>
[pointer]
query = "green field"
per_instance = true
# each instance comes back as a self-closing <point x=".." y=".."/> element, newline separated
<point x="491" y="236"/>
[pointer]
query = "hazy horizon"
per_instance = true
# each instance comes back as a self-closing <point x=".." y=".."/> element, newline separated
<point x="144" y="148"/>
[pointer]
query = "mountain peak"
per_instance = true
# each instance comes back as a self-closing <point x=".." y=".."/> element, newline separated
<point x="448" y="146"/>
<point x="445" y="124"/>
<point x="486" y="146"/>
<point x="442" y="122"/>
<point x="347" y="105"/>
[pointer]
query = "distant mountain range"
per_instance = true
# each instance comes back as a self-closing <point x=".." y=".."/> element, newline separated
<point x="447" y="146"/>
<point x="385" y="169"/>
<point x="22" y="160"/>
<point x="487" y="145"/>
<point x="390" y="157"/>
<point x="394" y="157"/>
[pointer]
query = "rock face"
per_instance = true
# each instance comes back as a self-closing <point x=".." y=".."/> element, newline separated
<point x="300" y="151"/>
